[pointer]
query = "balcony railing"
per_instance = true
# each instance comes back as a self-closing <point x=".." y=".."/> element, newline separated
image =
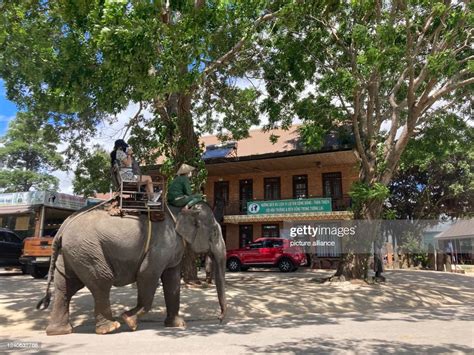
<point x="240" y="207"/>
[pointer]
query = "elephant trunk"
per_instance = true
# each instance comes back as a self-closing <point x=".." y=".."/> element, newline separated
<point x="219" y="264"/>
<point x="220" y="286"/>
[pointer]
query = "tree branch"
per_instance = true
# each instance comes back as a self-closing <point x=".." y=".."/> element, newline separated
<point x="393" y="130"/>
<point x="198" y="4"/>
<point x="421" y="36"/>
<point x="359" y="146"/>
<point x="394" y="154"/>
<point x="134" y="120"/>
<point x="450" y="86"/>
<point x="395" y="89"/>
<point x="344" y="106"/>
<point x="224" y="59"/>
<point x="423" y="117"/>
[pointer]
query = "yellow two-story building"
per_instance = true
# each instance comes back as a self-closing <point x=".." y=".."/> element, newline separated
<point x="254" y="186"/>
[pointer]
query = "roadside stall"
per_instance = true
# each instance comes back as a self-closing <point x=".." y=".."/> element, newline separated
<point x="35" y="216"/>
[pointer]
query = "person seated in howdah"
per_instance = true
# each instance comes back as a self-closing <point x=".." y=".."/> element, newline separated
<point x="180" y="192"/>
<point x="122" y="155"/>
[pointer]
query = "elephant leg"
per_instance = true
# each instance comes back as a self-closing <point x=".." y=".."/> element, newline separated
<point x="130" y="317"/>
<point x="104" y="321"/>
<point x="171" y="279"/>
<point x="147" y="282"/>
<point x="64" y="289"/>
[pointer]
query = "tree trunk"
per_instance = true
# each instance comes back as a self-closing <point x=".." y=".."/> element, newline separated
<point x="354" y="263"/>
<point x="184" y="145"/>
<point x="186" y="152"/>
<point x="188" y="266"/>
<point x="353" y="266"/>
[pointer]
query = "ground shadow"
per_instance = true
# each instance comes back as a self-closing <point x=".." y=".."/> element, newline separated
<point x="264" y="298"/>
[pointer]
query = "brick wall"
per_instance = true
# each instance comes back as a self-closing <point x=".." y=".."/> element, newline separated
<point x="315" y="188"/>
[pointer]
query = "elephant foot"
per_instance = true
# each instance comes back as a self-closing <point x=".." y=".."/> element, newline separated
<point x="58" y="330"/>
<point x="175" y="322"/>
<point x="131" y="321"/>
<point x="107" y="327"/>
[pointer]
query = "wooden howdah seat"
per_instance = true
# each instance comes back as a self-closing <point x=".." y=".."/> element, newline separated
<point x="133" y="196"/>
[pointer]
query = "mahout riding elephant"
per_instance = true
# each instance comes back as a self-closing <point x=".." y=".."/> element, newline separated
<point x="96" y="250"/>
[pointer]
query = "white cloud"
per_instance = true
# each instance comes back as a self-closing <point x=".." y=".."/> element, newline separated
<point x="4" y="118"/>
<point x="4" y="122"/>
<point x="65" y="181"/>
<point x="105" y="137"/>
<point x="107" y="134"/>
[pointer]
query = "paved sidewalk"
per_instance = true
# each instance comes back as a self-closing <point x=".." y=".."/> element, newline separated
<point x="415" y="311"/>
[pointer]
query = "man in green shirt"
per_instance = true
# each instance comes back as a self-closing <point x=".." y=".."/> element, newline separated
<point x="179" y="191"/>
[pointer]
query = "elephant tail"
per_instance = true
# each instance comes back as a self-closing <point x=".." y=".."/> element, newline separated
<point x="56" y="246"/>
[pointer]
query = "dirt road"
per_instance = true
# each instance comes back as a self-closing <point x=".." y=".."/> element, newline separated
<point x="415" y="311"/>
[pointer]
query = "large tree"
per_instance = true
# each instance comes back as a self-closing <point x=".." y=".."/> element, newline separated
<point x="92" y="174"/>
<point x="435" y="181"/>
<point x="78" y="63"/>
<point x="28" y="156"/>
<point x="383" y="67"/>
<point x="436" y="174"/>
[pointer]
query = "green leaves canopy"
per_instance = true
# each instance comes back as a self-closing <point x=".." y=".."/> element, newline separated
<point x="436" y="176"/>
<point x="383" y="67"/>
<point x="78" y="63"/>
<point x="29" y="155"/>
<point x="92" y="175"/>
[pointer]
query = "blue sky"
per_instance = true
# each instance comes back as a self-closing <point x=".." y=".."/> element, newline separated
<point x="7" y="109"/>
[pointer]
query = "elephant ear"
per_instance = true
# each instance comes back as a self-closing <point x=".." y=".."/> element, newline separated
<point x="187" y="225"/>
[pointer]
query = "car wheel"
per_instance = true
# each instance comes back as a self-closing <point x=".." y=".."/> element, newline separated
<point x="234" y="264"/>
<point x="39" y="273"/>
<point x="244" y="268"/>
<point x="285" y="265"/>
<point x="24" y="271"/>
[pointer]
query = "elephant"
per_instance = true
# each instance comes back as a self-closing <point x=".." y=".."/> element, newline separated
<point x="98" y="251"/>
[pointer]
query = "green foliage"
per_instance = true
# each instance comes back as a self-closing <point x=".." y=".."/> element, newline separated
<point x="363" y="193"/>
<point x="92" y="175"/>
<point x="24" y="180"/>
<point x="411" y="244"/>
<point x="29" y="155"/>
<point x="436" y="176"/>
<point x="445" y="136"/>
<point x="78" y="63"/>
<point x="443" y="63"/>
<point x="339" y="63"/>
<point x="313" y="135"/>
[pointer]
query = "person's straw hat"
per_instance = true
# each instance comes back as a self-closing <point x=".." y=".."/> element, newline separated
<point x="185" y="169"/>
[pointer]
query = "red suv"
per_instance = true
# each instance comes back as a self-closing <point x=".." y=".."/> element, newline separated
<point x="266" y="252"/>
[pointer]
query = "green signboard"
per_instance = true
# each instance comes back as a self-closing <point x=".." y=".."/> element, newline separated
<point x="290" y="206"/>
